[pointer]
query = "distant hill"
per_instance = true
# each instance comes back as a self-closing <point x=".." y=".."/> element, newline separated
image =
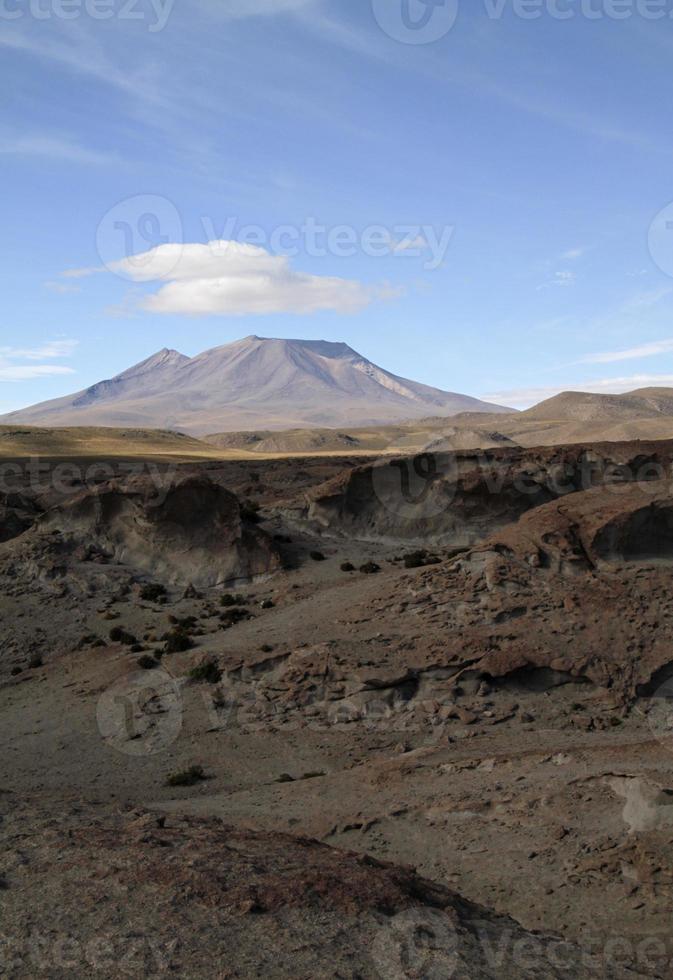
<point x="581" y="406"/>
<point x="255" y="382"/>
<point x="18" y="441"/>
<point x="437" y="436"/>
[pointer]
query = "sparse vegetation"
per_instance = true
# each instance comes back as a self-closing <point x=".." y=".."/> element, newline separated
<point x="229" y="599"/>
<point x="207" y="672"/>
<point x="188" y="777"/>
<point x="318" y="556"/>
<point x="147" y="663"/>
<point x="370" y="568"/>
<point x="186" y="622"/>
<point x="89" y="640"/>
<point x="233" y="616"/>
<point x="347" y="566"/>
<point x="153" y="592"/>
<point x="119" y="635"/>
<point x="177" y="640"/>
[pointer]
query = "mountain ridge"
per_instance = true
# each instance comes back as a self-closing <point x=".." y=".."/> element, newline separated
<point x="252" y="382"/>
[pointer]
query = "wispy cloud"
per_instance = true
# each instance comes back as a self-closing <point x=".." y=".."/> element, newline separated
<point x="82" y="273"/>
<point x="83" y="55"/>
<point x="49" y="351"/>
<point x="573" y="254"/>
<point x="55" y="148"/>
<point x="564" y="277"/>
<point x="545" y="106"/>
<point x="62" y="287"/>
<point x="52" y="348"/>
<point x="649" y="298"/>
<point x="26" y="372"/>
<point x="631" y="353"/>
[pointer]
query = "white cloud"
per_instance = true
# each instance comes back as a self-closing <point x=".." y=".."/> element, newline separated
<point x="525" y="397"/>
<point x="82" y="273"/>
<point x="573" y="253"/>
<point x="26" y="372"/>
<point x="564" y="277"/>
<point x="9" y="371"/>
<point x="62" y="287"/>
<point x="233" y="279"/>
<point x="52" y="348"/>
<point x="632" y="353"/>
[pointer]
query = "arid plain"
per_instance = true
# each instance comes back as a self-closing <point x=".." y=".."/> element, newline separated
<point x="340" y="715"/>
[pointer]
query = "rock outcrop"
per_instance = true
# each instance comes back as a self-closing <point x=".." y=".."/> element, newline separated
<point x="578" y="589"/>
<point x="459" y="498"/>
<point x="17" y="513"/>
<point x="187" y="531"/>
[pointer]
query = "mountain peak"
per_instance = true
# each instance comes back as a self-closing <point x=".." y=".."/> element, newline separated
<point x="255" y="382"/>
<point x="166" y="357"/>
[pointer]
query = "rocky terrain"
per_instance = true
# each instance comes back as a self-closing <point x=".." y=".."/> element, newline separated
<point x="340" y="717"/>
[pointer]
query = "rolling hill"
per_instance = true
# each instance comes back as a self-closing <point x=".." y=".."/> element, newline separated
<point x="582" y="406"/>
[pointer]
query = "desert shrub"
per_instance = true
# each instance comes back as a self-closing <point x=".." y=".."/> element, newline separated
<point x="177" y="640"/>
<point x="347" y="566"/>
<point x="147" y="663"/>
<point x="188" y="777"/>
<point x="152" y="592"/>
<point x="186" y="622"/>
<point x="267" y="604"/>
<point x="89" y="640"/>
<point x="318" y="556"/>
<point x="233" y="616"/>
<point x="370" y="568"/>
<point x="35" y="661"/>
<point x="119" y="635"/>
<point x="228" y="599"/>
<point x="206" y="672"/>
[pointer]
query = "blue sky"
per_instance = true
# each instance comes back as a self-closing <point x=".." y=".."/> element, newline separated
<point x="538" y="150"/>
